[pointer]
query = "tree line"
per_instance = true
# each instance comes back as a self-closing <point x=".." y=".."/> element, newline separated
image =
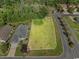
<point x="20" y="10"/>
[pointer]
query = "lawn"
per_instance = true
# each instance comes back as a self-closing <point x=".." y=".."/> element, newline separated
<point x="18" y="51"/>
<point x="19" y="47"/>
<point x="44" y="38"/>
<point x="73" y="25"/>
<point x="42" y="35"/>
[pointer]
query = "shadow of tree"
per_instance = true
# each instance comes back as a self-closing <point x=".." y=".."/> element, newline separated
<point x="38" y="21"/>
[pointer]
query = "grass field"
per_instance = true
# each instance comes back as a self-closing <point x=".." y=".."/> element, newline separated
<point x="73" y="25"/>
<point x="42" y="35"/>
<point x="44" y="39"/>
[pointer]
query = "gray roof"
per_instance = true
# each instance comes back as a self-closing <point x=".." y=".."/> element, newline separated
<point x="4" y="32"/>
<point x="20" y="32"/>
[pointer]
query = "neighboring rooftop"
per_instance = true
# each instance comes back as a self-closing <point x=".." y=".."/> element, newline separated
<point x="20" y="33"/>
<point x="4" y="33"/>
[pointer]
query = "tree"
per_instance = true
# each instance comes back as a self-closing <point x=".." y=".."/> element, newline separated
<point x="77" y="9"/>
<point x="5" y="47"/>
<point x="24" y="48"/>
<point x="42" y="12"/>
<point x="70" y="10"/>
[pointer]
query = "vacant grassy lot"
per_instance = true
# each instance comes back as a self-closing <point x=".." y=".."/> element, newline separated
<point x="42" y="35"/>
<point x="44" y="38"/>
<point x="73" y="25"/>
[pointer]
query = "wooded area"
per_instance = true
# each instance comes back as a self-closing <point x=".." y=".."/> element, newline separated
<point x="21" y="10"/>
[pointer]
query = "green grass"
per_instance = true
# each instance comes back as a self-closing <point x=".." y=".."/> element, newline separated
<point x="77" y="33"/>
<point x="18" y="51"/>
<point x="2" y="47"/>
<point x="40" y="37"/>
<point x="73" y="25"/>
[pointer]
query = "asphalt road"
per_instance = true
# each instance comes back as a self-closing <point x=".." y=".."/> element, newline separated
<point x="67" y="50"/>
<point x="74" y="51"/>
<point x="66" y="14"/>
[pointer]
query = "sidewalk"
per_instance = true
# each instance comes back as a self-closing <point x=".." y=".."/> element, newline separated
<point x="12" y="50"/>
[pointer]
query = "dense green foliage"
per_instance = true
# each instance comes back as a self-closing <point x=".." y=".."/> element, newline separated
<point x="21" y="10"/>
<point x="4" y="48"/>
<point x="70" y="10"/>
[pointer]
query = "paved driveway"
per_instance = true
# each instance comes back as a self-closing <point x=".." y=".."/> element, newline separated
<point x="21" y="33"/>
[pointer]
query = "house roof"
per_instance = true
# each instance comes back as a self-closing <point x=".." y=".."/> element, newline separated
<point x="20" y="33"/>
<point x="4" y="32"/>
